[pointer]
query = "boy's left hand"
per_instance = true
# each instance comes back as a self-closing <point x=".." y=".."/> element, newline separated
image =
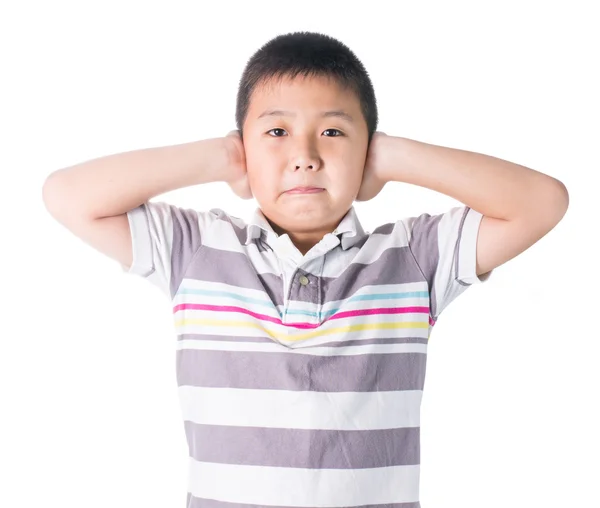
<point x="373" y="181"/>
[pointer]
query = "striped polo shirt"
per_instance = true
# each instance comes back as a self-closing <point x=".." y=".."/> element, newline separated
<point x="300" y="378"/>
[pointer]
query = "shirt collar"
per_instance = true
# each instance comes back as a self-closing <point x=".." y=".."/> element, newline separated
<point x="349" y="230"/>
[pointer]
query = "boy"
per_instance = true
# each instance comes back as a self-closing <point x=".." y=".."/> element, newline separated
<point x="302" y="339"/>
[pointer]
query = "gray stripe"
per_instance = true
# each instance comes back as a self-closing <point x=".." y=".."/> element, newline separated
<point x="424" y="247"/>
<point x="186" y="241"/>
<point x="394" y="266"/>
<point x="285" y="371"/>
<point x="303" y="448"/>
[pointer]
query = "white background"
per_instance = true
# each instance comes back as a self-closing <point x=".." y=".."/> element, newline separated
<point x="90" y="414"/>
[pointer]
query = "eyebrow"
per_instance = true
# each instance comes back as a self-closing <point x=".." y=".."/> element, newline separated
<point x="325" y="114"/>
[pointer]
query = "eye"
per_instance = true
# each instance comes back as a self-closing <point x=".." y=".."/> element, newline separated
<point x="336" y="130"/>
<point x="276" y="129"/>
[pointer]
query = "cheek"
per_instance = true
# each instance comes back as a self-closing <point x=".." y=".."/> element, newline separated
<point x="352" y="176"/>
<point x="261" y="182"/>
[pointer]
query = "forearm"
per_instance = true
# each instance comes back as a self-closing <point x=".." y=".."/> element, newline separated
<point x="494" y="187"/>
<point x="117" y="183"/>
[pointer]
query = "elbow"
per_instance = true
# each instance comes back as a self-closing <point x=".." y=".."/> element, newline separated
<point x="563" y="196"/>
<point x="558" y="202"/>
<point x="53" y="192"/>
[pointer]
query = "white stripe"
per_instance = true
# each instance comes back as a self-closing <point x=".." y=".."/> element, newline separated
<point x="292" y="409"/>
<point x="274" y="347"/>
<point x="367" y="289"/>
<point x="219" y="233"/>
<point x="286" y="486"/>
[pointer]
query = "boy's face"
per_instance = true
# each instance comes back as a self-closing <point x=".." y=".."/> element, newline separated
<point x="283" y="152"/>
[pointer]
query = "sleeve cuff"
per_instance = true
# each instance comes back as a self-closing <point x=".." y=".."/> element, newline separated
<point x="141" y="244"/>
<point x="466" y="270"/>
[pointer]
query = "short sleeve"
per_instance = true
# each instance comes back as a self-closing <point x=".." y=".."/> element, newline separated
<point x="445" y="249"/>
<point x="165" y="238"/>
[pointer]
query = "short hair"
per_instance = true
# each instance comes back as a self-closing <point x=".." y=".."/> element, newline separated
<point x="311" y="54"/>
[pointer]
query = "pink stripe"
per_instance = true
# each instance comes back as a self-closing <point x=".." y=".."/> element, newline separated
<point x="263" y="317"/>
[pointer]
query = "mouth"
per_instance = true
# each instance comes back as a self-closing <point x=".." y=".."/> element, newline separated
<point x="305" y="190"/>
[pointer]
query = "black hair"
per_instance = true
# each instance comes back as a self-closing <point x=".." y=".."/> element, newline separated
<point x="311" y="54"/>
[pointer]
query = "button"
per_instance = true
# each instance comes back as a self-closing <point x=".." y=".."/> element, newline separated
<point x="303" y="280"/>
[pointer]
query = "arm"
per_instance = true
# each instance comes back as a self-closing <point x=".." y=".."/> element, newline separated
<point x="92" y="199"/>
<point x="520" y="205"/>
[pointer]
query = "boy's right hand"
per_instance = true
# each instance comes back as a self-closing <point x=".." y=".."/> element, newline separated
<point x="237" y="176"/>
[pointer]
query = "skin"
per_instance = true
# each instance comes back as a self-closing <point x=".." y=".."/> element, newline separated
<point x="283" y="152"/>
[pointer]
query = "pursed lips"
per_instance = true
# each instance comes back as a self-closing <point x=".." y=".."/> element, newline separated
<point x="305" y="190"/>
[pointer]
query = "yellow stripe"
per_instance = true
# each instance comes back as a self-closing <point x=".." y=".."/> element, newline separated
<point x="309" y="335"/>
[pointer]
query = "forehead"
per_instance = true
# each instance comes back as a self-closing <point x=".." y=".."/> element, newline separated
<point x="303" y="95"/>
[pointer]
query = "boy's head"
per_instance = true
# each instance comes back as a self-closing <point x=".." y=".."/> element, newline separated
<point x="306" y="74"/>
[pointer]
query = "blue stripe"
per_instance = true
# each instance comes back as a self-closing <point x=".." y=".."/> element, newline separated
<point x="269" y="303"/>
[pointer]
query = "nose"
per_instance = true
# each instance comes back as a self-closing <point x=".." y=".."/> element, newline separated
<point x="307" y="166"/>
<point x="307" y="159"/>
